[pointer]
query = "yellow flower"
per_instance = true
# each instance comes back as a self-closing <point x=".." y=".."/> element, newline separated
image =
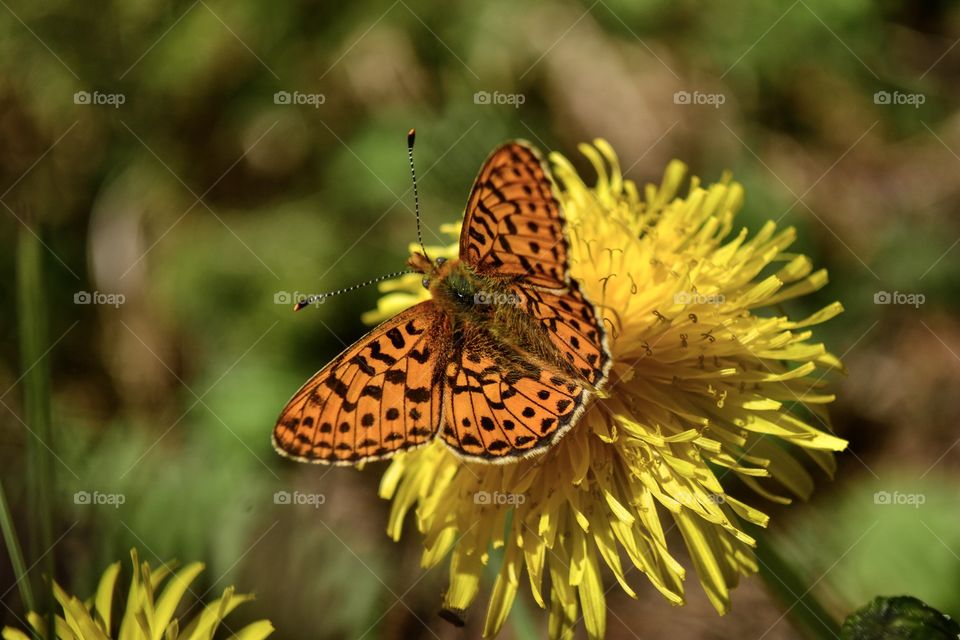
<point x="708" y="381"/>
<point x="149" y="615"/>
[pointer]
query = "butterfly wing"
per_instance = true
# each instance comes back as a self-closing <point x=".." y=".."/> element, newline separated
<point x="499" y="404"/>
<point x="513" y="225"/>
<point x="498" y="407"/>
<point x="574" y="328"/>
<point x="381" y="395"/>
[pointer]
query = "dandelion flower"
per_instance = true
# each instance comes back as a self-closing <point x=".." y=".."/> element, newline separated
<point x="709" y="382"/>
<point x="149" y="613"/>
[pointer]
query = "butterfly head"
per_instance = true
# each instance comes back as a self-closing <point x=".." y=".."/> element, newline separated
<point x="422" y="264"/>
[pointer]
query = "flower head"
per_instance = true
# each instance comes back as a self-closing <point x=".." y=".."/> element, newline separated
<point x="149" y="613"/>
<point x="709" y="381"/>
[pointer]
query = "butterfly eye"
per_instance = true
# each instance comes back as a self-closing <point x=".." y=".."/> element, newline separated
<point x="426" y="283"/>
<point x="440" y="261"/>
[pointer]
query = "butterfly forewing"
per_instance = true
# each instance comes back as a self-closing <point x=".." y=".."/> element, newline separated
<point x="513" y="226"/>
<point x="378" y="397"/>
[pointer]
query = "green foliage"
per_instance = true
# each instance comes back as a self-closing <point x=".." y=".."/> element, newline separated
<point x="899" y="618"/>
<point x="897" y="534"/>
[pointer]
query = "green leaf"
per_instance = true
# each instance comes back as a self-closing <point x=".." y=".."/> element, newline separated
<point x="899" y="618"/>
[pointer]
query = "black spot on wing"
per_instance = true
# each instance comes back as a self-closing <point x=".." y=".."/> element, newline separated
<point x="376" y="352"/>
<point x="418" y="395"/>
<point x="395" y="376"/>
<point x="396" y="338"/>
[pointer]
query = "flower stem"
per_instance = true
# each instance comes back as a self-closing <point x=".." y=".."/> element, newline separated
<point x="16" y="553"/>
<point x="792" y="590"/>
<point x="36" y="401"/>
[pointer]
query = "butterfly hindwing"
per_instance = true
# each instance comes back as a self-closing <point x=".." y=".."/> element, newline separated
<point x="378" y="397"/>
<point x="513" y="225"/>
<point x="573" y="326"/>
<point x="498" y="408"/>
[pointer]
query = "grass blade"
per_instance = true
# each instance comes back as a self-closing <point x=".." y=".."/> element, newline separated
<point x="32" y="319"/>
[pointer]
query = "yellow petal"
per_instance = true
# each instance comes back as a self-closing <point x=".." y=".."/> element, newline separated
<point x="465" y="573"/>
<point x="504" y="591"/>
<point x="103" y="606"/>
<point x="592" y="600"/>
<point x="171" y="596"/>
<point x="209" y="619"/>
<point x="254" y="631"/>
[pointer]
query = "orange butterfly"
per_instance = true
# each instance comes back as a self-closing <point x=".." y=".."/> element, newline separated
<point x="500" y="362"/>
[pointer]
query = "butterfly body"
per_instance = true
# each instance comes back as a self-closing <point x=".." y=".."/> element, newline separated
<point x="487" y="311"/>
<point x="498" y="364"/>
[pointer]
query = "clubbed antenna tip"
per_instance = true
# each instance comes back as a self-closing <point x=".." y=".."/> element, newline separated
<point x="411" y="137"/>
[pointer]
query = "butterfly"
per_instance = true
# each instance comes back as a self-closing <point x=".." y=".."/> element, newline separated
<point x="499" y="363"/>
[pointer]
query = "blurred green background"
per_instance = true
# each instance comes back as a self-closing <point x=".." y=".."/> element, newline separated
<point x="200" y="159"/>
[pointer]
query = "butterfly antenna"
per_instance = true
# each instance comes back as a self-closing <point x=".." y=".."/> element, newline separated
<point x="411" y="138"/>
<point x="321" y="297"/>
